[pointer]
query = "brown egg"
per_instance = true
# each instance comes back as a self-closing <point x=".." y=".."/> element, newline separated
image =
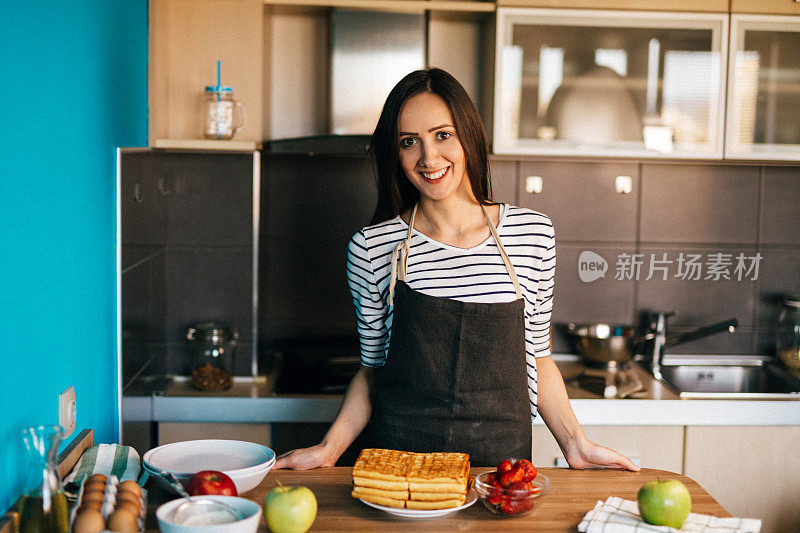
<point x="123" y="496"/>
<point x="93" y="496"/>
<point x="97" y="506"/>
<point x="89" y="521"/>
<point x="132" y="507"/>
<point x="94" y="485"/>
<point x="130" y="486"/>
<point x="98" y="477"/>
<point x="122" y="521"/>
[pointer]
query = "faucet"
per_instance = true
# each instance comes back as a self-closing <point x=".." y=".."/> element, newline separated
<point x="658" y="333"/>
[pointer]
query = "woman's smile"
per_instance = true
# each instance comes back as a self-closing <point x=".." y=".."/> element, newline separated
<point x="434" y="176"/>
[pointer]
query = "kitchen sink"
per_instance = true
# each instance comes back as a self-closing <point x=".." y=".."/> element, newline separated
<point x="736" y="377"/>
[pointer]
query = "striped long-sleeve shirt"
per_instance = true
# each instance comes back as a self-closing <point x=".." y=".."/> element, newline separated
<point x="476" y="274"/>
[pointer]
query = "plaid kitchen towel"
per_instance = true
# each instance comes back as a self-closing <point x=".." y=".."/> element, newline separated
<point x="616" y="515"/>
<point x="107" y="459"/>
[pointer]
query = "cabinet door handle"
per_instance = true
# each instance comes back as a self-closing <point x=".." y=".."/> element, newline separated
<point x="162" y="187"/>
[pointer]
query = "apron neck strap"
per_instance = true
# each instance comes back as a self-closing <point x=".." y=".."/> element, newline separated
<point x="398" y="268"/>
<point x="509" y="267"/>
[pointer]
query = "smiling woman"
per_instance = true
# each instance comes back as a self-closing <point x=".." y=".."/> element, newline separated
<point x="453" y="296"/>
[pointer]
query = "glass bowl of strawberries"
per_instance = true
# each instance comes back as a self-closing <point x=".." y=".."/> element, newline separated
<point x="513" y="489"/>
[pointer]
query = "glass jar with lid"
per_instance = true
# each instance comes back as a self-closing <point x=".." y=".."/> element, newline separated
<point x="788" y="341"/>
<point x="213" y="350"/>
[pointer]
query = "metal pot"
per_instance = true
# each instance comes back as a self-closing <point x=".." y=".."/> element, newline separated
<point x="604" y="343"/>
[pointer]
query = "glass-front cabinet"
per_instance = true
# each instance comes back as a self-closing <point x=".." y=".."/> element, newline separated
<point x="610" y="83"/>
<point x="764" y="88"/>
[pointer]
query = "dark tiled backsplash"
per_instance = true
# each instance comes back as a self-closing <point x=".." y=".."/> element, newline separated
<point x="187" y="252"/>
<point x="187" y="255"/>
<point x="711" y="214"/>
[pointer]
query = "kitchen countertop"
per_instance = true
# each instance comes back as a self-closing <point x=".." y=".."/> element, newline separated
<point x="251" y="400"/>
<point x="571" y="495"/>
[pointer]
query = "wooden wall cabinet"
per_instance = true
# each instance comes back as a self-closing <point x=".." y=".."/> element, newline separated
<point x="771" y="7"/>
<point x="702" y="6"/>
<point x="187" y="38"/>
<point x="276" y="56"/>
<point x="763" y="100"/>
<point x="609" y="83"/>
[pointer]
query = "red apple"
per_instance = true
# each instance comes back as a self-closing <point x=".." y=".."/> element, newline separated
<point x="211" y="482"/>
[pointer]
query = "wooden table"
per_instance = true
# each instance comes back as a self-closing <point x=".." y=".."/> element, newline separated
<point x="572" y="494"/>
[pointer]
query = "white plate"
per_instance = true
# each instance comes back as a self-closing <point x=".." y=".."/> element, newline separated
<point x="424" y="513"/>
<point x="185" y="458"/>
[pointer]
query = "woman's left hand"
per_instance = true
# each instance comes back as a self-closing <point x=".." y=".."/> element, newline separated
<point x="587" y="454"/>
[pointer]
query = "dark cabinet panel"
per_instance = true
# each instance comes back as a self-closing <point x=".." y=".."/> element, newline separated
<point x="780" y="220"/>
<point x="210" y="200"/>
<point x="144" y="206"/>
<point x="591" y="298"/>
<point x="779" y="276"/>
<point x="187" y="226"/>
<point x="722" y="289"/>
<point x="311" y="208"/>
<point x="582" y="200"/>
<point x="504" y="181"/>
<point x="699" y="204"/>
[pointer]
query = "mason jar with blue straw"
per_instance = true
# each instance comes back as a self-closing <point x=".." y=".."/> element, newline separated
<point x="224" y="116"/>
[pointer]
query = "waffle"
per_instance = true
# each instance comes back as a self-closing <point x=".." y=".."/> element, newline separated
<point x="412" y="480"/>
<point x="386" y="465"/>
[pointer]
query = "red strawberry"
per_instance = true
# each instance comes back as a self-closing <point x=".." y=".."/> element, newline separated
<point x="515" y="505"/>
<point x="504" y="466"/>
<point x="520" y="489"/>
<point x="527" y="466"/>
<point x="495" y="491"/>
<point x="512" y="476"/>
<point x="491" y="478"/>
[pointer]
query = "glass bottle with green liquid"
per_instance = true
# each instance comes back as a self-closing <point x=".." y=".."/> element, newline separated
<point x="44" y="506"/>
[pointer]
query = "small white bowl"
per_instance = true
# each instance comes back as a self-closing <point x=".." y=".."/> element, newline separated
<point x="246" y="463"/>
<point x="251" y="511"/>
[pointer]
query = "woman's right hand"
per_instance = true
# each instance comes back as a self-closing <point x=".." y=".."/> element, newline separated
<point x="351" y="420"/>
<point x="306" y="458"/>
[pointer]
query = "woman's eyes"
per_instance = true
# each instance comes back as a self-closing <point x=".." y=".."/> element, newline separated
<point x="407" y="142"/>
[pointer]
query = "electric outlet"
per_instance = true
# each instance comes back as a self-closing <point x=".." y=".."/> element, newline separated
<point x="67" y="410"/>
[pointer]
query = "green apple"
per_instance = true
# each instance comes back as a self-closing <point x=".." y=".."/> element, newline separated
<point x="664" y="503"/>
<point x="290" y="509"/>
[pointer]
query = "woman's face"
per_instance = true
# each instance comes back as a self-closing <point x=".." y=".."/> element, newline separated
<point x="430" y="152"/>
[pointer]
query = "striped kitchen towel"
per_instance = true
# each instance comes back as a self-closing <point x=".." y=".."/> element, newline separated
<point x="107" y="459"/>
<point x="616" y="515"/>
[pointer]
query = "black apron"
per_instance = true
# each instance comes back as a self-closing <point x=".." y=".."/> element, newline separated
<point x="455" y="378"/>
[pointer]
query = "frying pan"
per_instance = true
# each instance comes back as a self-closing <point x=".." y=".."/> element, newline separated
<point x="606" y="343"/>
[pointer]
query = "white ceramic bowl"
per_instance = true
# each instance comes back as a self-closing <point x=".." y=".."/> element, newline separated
<point x="246" y="463"/>
<point x="251" y="511"/>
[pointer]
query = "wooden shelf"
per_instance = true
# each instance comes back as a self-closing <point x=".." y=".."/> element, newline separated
<point x="207" y="145"/>
<point x="395" y="5"/>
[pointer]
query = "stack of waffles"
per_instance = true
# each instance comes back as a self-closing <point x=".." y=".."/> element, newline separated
<point x="395" y="478"/>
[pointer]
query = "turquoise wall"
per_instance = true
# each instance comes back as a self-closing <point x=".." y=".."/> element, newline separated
<point x="74" y="78"/>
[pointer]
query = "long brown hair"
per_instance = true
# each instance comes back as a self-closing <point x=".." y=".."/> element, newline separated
<point x="395" y="192"/>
